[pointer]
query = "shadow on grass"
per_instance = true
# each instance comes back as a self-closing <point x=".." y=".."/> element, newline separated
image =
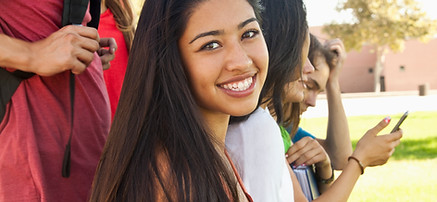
<point x="414" y="149"/>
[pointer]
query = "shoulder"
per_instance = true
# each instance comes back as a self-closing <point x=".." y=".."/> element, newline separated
<point x="301" y="133"/>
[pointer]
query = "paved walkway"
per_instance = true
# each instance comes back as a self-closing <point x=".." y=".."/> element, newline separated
<point x="382" y="104"/>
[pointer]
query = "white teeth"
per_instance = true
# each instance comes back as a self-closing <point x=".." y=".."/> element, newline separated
<point x="240" y="86"/>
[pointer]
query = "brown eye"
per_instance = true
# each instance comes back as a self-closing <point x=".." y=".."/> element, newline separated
<point x="250" y="34"/>
<point x="210" y="46"/>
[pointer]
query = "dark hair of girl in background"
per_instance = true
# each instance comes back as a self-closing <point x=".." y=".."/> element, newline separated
<point x="124" y="18"/>
<point x="317" y="48"/>
<point x="157" y="114"/>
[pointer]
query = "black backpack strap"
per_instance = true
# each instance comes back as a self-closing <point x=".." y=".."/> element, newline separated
<point x="95" y="13"/>
<point x="73" y="13"/>
<point x="9" y="82"/>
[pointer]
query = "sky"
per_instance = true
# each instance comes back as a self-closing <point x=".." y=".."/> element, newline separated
<point x="320" y="12"/>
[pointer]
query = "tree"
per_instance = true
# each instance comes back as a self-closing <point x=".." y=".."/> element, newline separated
<point x="383" y="24"/>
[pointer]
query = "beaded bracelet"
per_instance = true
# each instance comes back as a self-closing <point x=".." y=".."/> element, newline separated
<point x="359" y="163"/>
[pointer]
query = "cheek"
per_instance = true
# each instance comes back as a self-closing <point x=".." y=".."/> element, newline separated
<point x="260" y="56"/>
<point x="202" y="70"/>
<point x="203" y="77"/>
<point x="294" y="92"/>
<point x="200" y="79"/>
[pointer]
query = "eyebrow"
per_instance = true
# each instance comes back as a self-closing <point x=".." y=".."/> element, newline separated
<point x="241" y="25"/>
<point x="315" y="83"/>
<point x="218" y="32"/>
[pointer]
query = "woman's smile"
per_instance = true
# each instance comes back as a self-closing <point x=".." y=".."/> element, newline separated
<point x="239" y="88"/>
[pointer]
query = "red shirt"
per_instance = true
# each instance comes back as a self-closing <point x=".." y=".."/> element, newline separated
<point x="36" y="126"/>
<point x="114" y="76"/>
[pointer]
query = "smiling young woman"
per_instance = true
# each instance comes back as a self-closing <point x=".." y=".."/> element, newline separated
<point x="193" y="64"/>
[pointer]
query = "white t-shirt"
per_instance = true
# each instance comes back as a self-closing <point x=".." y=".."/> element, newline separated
<point x="257" y="150"/>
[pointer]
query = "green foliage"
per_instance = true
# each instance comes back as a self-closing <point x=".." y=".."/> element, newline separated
<point x="382" y="23"/>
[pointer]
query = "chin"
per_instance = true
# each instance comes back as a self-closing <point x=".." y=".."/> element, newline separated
<point x="244" y="110"/>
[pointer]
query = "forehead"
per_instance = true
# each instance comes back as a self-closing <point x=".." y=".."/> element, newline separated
<point x="219" y="14"/>
<point x="321" y="73"/>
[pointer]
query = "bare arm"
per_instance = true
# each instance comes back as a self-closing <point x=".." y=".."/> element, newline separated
<point x="372" y="150"/>
<point x="70" y="48"/>
<point x="337" y="143"/>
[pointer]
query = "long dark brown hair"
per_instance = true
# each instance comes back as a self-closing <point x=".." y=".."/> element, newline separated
<point x="124" y="18"/>
<point x="158" y="116"/>
<point x="285" y="29"/>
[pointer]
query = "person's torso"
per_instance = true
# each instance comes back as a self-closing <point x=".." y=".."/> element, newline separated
<point x="36" y="127"/>
<point x="114" y="76"/>
<point x="256" y="148"/>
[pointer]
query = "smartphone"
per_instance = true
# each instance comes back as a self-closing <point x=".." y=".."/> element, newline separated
<point x="400" y="122"/>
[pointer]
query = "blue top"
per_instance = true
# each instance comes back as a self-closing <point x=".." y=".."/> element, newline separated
<point x="300" y="134"/>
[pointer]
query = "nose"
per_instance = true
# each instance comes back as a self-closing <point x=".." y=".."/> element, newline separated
<point x="308" y="68"/>
<point x="310" y="98"/>
<point x="237" y="58"/>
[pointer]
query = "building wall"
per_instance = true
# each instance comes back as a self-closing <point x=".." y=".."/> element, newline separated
<point x="419" y="62"/>
<point x="355" y="75"/>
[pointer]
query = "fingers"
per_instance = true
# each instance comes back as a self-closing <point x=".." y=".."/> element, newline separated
<point x="296" y="149"/>
<point x="77" y="67"/>
<point x="109" y="42"/>
<point x="85" y="43"/>
<point x="312" y="157"/>
<point x="376" y="150"/>
<point x="381" y="125"/>
<point x="337" y="46"/>
<point x="335" y="43"/>
<point x="85" y="57"/>
<point x="88" y="44"/>
<point x="395" y="135"/>
<point x="87" y="32"/>
<point x="84" y="37"/>
<point x="106" y="57"/>
<point x="306" y="151"/>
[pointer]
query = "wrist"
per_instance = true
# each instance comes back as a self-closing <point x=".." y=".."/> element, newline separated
<point x="14" y="53"/>
<point x="360" y="164"/>
<point x="30" y="58"/>
<point x="333" y="85"/>
<point x="325" y="180"/>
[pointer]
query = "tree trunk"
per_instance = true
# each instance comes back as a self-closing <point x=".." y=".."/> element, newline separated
<point x="379" y="66"/>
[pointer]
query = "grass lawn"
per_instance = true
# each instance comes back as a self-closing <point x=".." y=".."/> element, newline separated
<point x="409" y="175"/>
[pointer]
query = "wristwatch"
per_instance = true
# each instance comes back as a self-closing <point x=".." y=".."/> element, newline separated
<point x="326" y="181"/>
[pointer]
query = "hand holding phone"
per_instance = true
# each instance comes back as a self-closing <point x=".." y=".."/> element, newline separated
<point x="400" y="122"/>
